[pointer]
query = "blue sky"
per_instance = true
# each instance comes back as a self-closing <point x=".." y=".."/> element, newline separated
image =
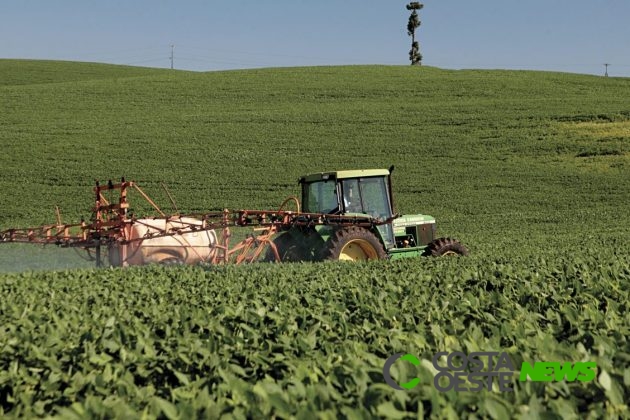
<point x="560" y="35"/>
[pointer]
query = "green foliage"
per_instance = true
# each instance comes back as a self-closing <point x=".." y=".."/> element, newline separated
<point x="414" y="54"/>
<point x="414" y="23"/>
<point x="528" y="169"/>
<point x="294" y="339"/>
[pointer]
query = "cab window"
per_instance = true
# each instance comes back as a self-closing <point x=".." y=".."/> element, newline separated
<point x="320" y="197"/>
<point x="367" y="195"/>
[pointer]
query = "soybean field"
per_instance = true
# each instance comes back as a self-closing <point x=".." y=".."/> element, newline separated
<point x="531" y="170"/>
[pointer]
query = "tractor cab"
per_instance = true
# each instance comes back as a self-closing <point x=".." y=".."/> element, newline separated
<point x="354" y="193"/>
<point x="348" y="192"/>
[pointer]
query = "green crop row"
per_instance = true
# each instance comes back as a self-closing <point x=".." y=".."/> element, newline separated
<point x="305" y="339"/>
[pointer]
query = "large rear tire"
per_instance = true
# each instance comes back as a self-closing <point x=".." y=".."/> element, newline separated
<point x="353" y="244"/>
<point x="289" y="250"/>
<point x="443" y="247"/>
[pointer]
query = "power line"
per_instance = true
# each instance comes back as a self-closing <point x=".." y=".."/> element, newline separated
<point x="251" y="53"/>
<point x="151" y="60"/>
<point x="234" y="58"/>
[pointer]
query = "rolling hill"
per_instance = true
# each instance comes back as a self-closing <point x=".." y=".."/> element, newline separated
<point x="531" y="170"/>
<point x="504" y="154"/>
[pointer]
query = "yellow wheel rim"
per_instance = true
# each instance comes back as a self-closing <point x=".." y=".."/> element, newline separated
<point x="449" y="253"/>
<point x="358" y="250"/>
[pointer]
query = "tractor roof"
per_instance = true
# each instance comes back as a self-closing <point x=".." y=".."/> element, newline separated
<point x="358" y="173"/>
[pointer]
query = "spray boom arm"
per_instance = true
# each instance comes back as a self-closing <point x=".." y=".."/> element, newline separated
<point x="111" y="223"/>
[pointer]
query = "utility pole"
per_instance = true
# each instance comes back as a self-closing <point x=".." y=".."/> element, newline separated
<point x="172" y="50"/>
<point x="606" y="72"/>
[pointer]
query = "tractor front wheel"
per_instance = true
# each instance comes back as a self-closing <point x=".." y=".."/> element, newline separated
<point x="443" y="247"/>
<point x="353" y="244"/>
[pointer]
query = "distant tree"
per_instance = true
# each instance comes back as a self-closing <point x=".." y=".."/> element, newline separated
<point x="414" y="22"/>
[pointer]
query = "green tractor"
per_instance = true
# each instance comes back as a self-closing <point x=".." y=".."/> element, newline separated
<point x="365" y="195"/>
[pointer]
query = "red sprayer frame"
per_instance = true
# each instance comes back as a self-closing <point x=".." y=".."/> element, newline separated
<point x="111" y="224"/>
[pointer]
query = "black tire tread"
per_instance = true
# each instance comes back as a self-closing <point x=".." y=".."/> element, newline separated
<point x="440" y="246"/>
<point x="341" y="237"/>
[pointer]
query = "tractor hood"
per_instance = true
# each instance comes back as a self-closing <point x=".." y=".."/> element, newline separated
<point x="401" y="223"/>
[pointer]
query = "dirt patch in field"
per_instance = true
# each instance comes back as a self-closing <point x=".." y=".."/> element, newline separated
<point x="597" y="144"/>
<point x="600" y="129"/>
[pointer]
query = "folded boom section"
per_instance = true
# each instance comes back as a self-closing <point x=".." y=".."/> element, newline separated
<point x="176" y="238"/>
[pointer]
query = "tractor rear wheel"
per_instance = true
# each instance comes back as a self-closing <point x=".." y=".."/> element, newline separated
<point x="353" y="244"/>
<point x="289" y="250"/>
<point x="443" y="247"/>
